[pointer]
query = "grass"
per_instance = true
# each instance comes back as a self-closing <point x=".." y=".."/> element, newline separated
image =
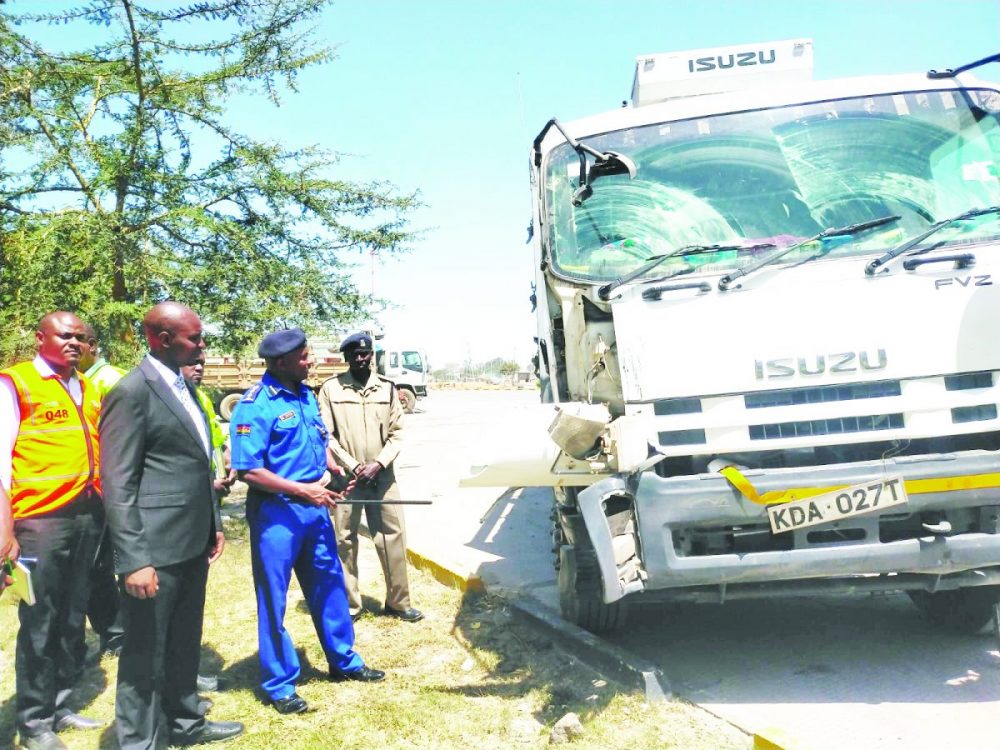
<point x="467" y="676"/>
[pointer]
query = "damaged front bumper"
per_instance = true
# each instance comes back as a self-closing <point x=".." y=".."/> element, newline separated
<point x="667" y="508"/>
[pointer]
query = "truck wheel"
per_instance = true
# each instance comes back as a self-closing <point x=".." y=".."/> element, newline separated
<point x="963" y="611"/>
<point x="580" y="593"/>
<point x="227" y="404"/>
<point x="408" y="399"/>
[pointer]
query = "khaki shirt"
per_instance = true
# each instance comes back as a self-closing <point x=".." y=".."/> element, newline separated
<point x="365" y="421"/>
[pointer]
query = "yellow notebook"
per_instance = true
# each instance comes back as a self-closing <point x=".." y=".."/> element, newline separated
<point x="21" y="587"/>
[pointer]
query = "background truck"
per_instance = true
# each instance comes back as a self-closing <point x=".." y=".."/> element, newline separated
<point x="767" y="311"/>
<point x="230" y="377"/>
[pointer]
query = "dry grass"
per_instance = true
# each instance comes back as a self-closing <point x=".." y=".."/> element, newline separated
<point x="465" y="677"/>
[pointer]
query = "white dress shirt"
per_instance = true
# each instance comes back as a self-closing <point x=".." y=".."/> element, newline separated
<point x="10" y="413"/>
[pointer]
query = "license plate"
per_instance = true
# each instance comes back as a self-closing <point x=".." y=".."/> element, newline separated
<point x="856" y="500"/>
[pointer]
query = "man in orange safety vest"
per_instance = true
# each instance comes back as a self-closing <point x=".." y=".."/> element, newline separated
<point x="49" y="465"/>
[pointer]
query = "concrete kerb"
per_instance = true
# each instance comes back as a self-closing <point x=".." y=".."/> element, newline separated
<point x="464" y="581"/>
<point x="774" y="739"/>
<point x="610" y="660"/>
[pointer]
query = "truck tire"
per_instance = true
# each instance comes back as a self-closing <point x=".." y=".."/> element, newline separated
<point x="580" y="593"/>
<point x="227" y="404"/>
<point x="408" y="399"/>
<point x="962" y="611"/>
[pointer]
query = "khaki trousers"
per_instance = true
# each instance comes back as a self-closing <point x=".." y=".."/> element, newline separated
<point x="388" y="532"/>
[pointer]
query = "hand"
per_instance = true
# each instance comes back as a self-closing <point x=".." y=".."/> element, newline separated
<point x="368" y="472"/>
<point x="9" y="548"/>
<point x="216" y="551"/>
<point x="9" y="551"/>
<point x="317" y="494"/>
<point x="221" y="488"/>
<point x="142" y="583"/>
<point x="230" y="479"/>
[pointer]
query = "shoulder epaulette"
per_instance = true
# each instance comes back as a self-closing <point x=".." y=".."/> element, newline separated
<point x="250" y="395"/>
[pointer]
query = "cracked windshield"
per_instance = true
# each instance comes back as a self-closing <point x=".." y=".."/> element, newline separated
<point x="780" y="176"/>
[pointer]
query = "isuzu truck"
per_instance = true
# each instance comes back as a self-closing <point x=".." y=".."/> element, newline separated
<point x="767" y="316"/>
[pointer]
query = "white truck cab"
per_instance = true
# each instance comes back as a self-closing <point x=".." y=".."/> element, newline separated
<point x="782" y="296"/>
<point x="407" y="367"/>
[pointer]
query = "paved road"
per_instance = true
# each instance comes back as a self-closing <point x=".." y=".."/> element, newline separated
<point x="821" y="673"/>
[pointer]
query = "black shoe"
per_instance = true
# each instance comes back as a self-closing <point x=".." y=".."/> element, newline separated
<point x="208" y="684"/>
<point x="357" y="615"/>
<point x="406" y="615"/>
<point x="43" y="741"/>
<point x="290" y="704"/>
<point x="76" y="721"/>
<point x="361" y="675"/>
<point x="213" y="731"/>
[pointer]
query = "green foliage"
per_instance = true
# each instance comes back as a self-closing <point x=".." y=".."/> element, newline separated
<point x="123" y="184"/>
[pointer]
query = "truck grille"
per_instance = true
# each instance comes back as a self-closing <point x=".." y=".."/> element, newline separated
<point x="821" y="394"/>
<point x="841" y="426"/>
<point x="841" y="414"/>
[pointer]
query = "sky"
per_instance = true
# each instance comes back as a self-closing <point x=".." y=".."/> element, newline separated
<point x="445" y="96"/>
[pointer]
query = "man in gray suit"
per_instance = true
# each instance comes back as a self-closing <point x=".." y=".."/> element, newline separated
<point x="166" y="530"/>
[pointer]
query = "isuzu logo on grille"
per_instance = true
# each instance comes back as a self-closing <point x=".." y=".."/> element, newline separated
<point x="820" y="364"/>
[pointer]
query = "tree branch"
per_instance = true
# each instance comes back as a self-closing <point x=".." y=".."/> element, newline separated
<point x="122" y="180"/>
<point x="70" y="164"/>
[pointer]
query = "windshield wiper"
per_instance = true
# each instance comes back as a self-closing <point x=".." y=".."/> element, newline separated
<point x="851" y="229"/>
<point x="605" y="291"/>
<point x="876" y="264"/>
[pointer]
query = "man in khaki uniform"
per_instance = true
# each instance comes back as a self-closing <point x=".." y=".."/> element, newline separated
<point x="363" y="415"/>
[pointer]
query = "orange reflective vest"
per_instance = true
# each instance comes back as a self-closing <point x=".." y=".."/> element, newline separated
<point x="55" y="456"/>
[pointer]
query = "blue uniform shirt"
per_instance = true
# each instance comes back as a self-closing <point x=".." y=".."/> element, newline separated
<point x="273" y="428"/>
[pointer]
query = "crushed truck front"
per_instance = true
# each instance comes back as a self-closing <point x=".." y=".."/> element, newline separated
<point x="798" y="375"/>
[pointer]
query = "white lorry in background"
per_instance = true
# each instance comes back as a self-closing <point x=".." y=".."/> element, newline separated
<point x="767" y="311"/>
<point x="407" y="368"/>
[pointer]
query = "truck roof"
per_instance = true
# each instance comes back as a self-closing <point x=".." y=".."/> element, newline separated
<point x="756" y="98"/>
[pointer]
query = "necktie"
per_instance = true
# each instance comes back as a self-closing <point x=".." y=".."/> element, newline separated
<point x="193" y="410"/>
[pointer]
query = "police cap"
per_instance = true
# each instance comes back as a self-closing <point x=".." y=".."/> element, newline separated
<point x="360" y="341"/>
<point x="279" y="343"/>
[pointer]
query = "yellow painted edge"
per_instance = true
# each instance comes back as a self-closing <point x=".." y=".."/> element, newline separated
<point x="774" y="739"/>
<point x="464" y="582"/>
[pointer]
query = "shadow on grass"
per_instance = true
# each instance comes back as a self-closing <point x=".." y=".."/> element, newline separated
<point x="92" y="683"/>
<point x="520" y="659"/>
<point x="244" y="674"/>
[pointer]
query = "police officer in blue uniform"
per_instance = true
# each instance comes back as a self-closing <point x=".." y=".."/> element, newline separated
<point x="279" y="448"/>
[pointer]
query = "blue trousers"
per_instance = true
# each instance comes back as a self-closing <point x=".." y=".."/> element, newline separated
<point x="286" y="536"/>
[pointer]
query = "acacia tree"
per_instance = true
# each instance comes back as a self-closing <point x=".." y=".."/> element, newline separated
<point x="123" y="183"/>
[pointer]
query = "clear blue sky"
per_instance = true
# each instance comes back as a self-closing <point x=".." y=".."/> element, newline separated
<point x="445" y="96"/>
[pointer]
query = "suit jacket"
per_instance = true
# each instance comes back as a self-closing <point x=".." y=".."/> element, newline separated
<point x="161" y="507"/>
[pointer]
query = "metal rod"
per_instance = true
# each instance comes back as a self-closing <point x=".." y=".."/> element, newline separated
<point x="347" y="501"/>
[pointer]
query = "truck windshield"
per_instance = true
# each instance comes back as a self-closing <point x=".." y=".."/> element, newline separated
<point x="413" y="361"/>
<point x="778" y="176"/>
